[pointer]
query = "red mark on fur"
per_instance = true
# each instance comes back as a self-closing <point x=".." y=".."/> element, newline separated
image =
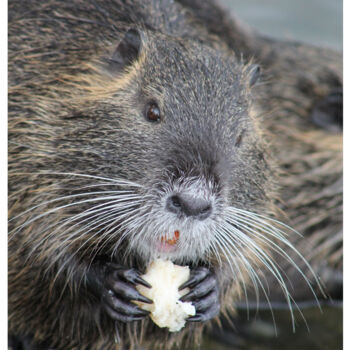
<point x="171" y="241"/>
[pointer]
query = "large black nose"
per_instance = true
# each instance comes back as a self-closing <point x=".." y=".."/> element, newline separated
<point x="197" y="207"/>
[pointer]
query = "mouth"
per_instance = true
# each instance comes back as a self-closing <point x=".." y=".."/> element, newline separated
<point x="167" y="245"/>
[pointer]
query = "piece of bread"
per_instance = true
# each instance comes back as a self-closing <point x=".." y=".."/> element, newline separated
<point x="167" y="310"/>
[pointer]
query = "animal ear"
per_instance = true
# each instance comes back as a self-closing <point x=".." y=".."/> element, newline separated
<point x="127" y="51"/>
<point x="254" y="74"/>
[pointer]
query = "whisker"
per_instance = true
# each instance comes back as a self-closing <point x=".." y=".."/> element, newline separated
<point x="96" y="210"/>
<point x="101" y="220"/>
<point x="254" y="278"/>
<point x="120" y="182"/>
<point x="264" y="219"/>
<point x="72" y="241"/>
<point x="264" y="258"/>
<point x="225" y="250"/>
<point x="62" y="199"/>
<point x="272" y="232"/>
<point x="28" y="222"/>
<point x="276" y="248"/>
<point x="109" y="230"/>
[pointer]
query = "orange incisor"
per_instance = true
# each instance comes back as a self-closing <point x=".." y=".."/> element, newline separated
<point x="173" y="240"/>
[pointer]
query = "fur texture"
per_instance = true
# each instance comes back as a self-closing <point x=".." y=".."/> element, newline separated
<point x="88" y="174"/>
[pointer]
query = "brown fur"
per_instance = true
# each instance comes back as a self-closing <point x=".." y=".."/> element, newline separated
<point x="55" y="79"/>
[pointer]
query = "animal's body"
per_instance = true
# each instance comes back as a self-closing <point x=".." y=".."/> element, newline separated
<point x="128" y="121"/>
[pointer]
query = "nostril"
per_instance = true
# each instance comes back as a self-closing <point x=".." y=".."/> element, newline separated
<point x="206" y="209"/>
<point x="189" y="206"/>
<point x="173" y="204"/>
<point x="175" y="201"/>
<point x="199" y="208"/>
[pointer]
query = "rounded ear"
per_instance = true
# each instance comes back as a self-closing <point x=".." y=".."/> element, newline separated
<point x="127" y="51"/>
<point x="254" y="74"/>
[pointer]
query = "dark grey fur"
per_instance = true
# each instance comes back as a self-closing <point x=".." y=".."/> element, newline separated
<point x="77" y="107"/>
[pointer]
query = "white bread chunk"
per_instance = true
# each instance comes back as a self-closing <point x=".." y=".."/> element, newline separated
<point x="167" y="310"/>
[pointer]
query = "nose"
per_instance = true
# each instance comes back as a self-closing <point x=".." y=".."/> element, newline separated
<point x="197" y="207"/>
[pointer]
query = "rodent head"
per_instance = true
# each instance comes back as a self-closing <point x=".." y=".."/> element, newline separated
<point x="177" y="119"/>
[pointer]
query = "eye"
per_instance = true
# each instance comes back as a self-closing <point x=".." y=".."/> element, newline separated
<point x="238" y="140"/>
<point x="152" y="112"/>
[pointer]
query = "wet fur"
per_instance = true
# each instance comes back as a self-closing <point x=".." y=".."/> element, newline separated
<point x="53" y="74"/>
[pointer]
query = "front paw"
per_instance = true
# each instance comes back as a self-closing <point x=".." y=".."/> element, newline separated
<point x="203" y="294"/>
<point x="119" y="291"/>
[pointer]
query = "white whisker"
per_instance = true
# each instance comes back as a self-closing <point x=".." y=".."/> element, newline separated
<point x="254" y="278"/>
<point x="274" y="232"/>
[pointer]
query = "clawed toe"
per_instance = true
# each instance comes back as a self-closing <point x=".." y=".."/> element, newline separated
<point x="203" y="294"/>
<point x="120" y="294"/>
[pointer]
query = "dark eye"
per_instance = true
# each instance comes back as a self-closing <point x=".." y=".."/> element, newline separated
<point x="152" y="112"/>
<point x="238" y="140"/>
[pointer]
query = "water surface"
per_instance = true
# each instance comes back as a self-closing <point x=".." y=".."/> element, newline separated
<point x="318" y="22"/>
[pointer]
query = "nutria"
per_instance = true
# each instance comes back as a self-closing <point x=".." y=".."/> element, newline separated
<point x="128" y="121"/>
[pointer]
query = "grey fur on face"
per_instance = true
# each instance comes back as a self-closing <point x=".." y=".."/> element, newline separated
<point x="204" y="145"/>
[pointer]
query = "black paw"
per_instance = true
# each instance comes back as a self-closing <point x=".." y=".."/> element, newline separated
<point x="204" y="294"/>
<point x="119" y="291"/>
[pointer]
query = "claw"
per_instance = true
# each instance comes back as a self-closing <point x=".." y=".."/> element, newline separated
<point x="122" y="317"/>
<point x="196" y="318"/>
<point x="140" y="280"/>
<point x="200" y="290"/>
<point x="205" y="303"/>
<point x="133" y="276"/>
<point x="204" y="294"/>
<point x="126" y="308"/>
<point x="205" y="316"/>
<point x="119" y="292"/>
<point x="127" y="292"/>
<point x="197" y="275"/>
